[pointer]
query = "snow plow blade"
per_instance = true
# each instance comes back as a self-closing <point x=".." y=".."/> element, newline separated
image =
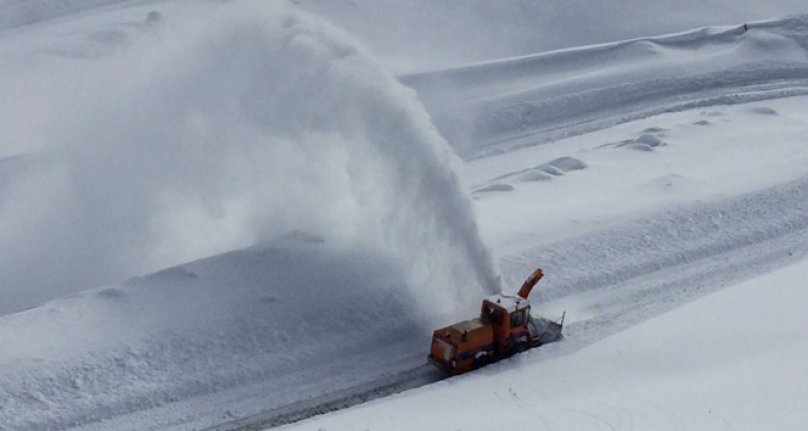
<point x="545" y="330"/>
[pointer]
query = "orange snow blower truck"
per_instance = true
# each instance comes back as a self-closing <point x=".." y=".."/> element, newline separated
<point x="504" y="328"/>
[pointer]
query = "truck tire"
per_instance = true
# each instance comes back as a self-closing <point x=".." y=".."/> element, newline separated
<point x="482" y="360"/>
<point x="519" y="348"/>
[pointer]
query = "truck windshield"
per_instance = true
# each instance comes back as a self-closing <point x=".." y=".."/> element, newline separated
<point x="518" y="318"/>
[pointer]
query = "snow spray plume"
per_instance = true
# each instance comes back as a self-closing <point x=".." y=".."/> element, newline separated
<point x="239" y="127"/>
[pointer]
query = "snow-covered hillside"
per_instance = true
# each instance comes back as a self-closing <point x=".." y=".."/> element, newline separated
<point x="271" y="217"/>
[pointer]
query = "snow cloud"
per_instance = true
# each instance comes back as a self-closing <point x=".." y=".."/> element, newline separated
<point x="226" y="130"/>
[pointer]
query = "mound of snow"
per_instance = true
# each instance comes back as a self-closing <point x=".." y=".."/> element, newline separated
<point x="762" y="110"/>
<point x="554" y="168"/>
<point x="567" y="164"/>
<point x="533" y="174"/>
<point x="646" y="142"/>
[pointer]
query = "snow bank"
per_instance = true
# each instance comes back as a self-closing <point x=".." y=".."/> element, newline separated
<point x="237" y="124"/>
<point x="282" y="321"/>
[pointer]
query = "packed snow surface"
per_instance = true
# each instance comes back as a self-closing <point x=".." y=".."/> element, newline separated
<point x="329" y="226"/>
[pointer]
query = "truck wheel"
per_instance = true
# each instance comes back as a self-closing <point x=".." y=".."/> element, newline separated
<point x="519" y="348"/>
<point x="481" y="361"/>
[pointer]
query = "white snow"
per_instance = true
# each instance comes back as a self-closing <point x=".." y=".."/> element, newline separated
<point x="660" y="182"/>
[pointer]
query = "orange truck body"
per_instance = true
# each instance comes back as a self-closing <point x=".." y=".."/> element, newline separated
<point x="505" y="327"/>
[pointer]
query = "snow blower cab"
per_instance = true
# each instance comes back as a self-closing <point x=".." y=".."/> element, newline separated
<point x="505" y="327"/>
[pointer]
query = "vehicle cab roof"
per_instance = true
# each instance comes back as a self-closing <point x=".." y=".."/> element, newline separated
<point x="508" y="302"/>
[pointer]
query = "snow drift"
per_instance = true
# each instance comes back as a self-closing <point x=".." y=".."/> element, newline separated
<point x="240" y="125"/>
